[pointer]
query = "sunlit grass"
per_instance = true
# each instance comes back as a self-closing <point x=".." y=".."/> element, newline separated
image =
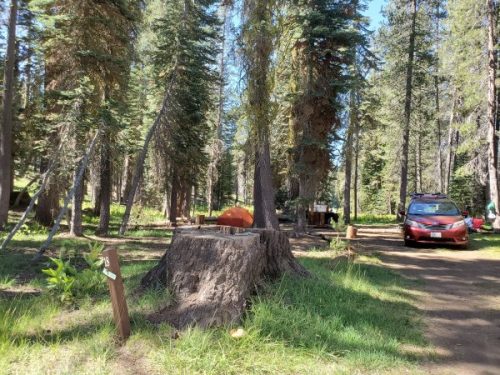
<point x="485" y="242"/>
<point x="372" y="219"/>
<point x="348" y="318"/>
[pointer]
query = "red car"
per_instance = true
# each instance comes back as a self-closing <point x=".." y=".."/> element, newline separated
<point x="433" y="218"/>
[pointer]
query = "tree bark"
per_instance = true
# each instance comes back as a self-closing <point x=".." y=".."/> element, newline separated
<point x="173" y="197"/>
<point x="76" y="228"/>
<point x="438" y="109"/>
<point x="48" y="202"/>
<point x="356" y="172"/>
<point x="95" y="186"/>
<point x="348" y="160"/>
<point x="212" y="286"/>
<point x="407" y="111"/>
<point x="449" y="155"/>
<point x="418" y="161"/>
<point x="105" y="183"/>
<point x="6" y="131"/>
<point x="258" y="41"/>
<point x="492" y="135"/>
<point x="264" y="209"/>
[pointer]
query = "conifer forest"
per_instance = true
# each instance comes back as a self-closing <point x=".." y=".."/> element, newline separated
<point x="180" y="105"/>
<point x="124" y="121"/>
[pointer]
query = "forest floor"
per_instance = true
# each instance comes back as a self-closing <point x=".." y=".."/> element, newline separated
<point x="461" y="300"/>
<point x="355" y="316"/>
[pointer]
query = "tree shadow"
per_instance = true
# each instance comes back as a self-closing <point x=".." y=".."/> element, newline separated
<point x="351" y="309"/>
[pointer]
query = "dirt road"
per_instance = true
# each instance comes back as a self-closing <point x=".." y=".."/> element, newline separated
<point x="461" y="301"/>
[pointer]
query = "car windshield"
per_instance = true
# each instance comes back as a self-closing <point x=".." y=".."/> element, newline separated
<point x="433" y="208"/>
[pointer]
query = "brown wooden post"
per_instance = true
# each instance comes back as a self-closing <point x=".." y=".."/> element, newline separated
<point x="116" y="290"/>
<point x="351" y="232"/>
<point x="321" y="218"/>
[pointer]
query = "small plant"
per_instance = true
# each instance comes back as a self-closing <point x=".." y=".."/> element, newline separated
<point x="338" y="245"/>
<point x="32" y="228"/>
<point x="61" y="279"/>
<point x="69" y="283"/>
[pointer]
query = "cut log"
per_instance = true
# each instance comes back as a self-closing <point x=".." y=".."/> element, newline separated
<point x="212" y="272"/>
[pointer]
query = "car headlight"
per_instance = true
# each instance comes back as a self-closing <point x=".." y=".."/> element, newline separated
<point x="458" y="224"/>
<point x="414" y="224"/>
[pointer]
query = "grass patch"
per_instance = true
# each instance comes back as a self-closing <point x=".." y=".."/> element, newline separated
<point x="349" y="318"/>
<point x="371" y="219"/>
<point x="487" y="242"/>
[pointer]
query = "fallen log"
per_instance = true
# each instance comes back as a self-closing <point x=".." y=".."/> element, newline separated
<point x="213" y="272"/>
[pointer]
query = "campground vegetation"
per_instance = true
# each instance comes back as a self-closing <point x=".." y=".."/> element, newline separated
<point x="352" y="316"/>
<point x="122" y="119"/>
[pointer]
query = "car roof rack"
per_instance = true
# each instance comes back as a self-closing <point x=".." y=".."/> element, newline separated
<point x="429" y="195"/>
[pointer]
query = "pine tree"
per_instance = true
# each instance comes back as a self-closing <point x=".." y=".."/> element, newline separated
<point x="6" y="171"/>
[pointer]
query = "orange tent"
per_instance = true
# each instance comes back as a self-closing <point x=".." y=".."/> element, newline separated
<point x="236" y="217"/>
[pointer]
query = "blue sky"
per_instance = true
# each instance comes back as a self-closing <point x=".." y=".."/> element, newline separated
<point x="373" y="11"/>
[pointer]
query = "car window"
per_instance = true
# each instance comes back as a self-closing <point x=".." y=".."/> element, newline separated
<point x="433" y="208"/>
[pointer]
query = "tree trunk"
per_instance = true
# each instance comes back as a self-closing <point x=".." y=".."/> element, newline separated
<point x="438" y="130"/>
<point x="304" y="198"/>
<point x="449" y="156"/>
<point x="438" y="109"/>
<point x="216" y="150"/>
<point x="77" y="182"/>
<point x="6" y="171"/>
<point x="48" y="202"/>
<point x="95" y="186"/>
<point x="418" y="187"/>
<point x="76" y="228"/>
<point x="492" y="136"/>
<point x="126" y="176"/>
<point x="356" y="172"/>
<point x="173" y="197"/>
<point x="212" y="286"/>
<point x="258" y="42"/>
<point x="407" y="114"/>
<point x="348" y="160"/>
<point x="264" y="209"/>
<point x="139" y="166"/>
<point x="43" y="184"/>
<point x="105" y="183"/>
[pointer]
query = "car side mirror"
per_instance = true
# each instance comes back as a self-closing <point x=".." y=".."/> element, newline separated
<point x="402" y="213"/>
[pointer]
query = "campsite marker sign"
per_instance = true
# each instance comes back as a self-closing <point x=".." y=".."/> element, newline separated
<point x="116" y="290"/>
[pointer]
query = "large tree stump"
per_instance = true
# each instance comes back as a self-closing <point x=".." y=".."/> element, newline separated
<point x="212" y="272"/>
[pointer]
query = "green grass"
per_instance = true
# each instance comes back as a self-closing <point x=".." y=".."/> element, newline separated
<point x="487" y="242"/>
<point x="348" y="318"/>
<point x="371" y="219"/>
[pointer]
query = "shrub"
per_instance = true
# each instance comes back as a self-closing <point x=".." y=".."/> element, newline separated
<point x="68" y="283"/>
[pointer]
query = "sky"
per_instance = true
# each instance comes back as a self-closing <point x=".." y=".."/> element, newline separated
<point x="373" y="11"/>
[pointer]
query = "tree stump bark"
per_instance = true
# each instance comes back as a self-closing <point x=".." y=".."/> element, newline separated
<point x="212" y="272"/>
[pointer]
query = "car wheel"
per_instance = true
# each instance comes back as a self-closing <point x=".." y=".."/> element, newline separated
<point x="409" y="243"/>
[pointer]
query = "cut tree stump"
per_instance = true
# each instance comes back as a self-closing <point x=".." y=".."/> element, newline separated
<point x="212" y="272"/>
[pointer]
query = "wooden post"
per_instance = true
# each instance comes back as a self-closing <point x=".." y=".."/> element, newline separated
<point x="200" y="219"/>
<point x="116" y="290"/>
<point x="351" y="232"/>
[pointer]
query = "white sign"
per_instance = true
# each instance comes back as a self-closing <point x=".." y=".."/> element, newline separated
<point x="109" y="274"/>
<point x="320" y="207"/>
